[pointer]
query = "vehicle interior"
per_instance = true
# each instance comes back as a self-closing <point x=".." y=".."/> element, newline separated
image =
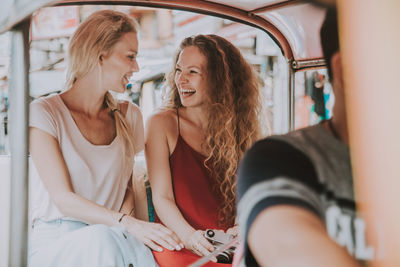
<point x="280" y="38"/>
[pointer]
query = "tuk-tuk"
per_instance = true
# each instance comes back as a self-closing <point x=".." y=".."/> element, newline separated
<point x="370" y="40"/>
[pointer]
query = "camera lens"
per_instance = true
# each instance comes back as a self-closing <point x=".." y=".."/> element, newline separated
<point x="210" y="233"/>
<point x="224" y="257"/>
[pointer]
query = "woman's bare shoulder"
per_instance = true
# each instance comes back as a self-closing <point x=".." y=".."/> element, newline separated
<point x="163" y="120"/>
<point x="164" y="116"/>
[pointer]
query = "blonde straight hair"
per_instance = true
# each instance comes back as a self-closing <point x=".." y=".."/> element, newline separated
<point x="95" y="36"/>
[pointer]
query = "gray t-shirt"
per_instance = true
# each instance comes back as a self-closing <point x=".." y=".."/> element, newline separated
<point x="308" y="168"/>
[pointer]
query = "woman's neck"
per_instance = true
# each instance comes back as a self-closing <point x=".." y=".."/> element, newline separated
<point x="197" y="115"/>
<point x="85" y="97"/>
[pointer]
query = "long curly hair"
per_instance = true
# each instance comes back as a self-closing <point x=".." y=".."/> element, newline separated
<point x="233" y="108"/>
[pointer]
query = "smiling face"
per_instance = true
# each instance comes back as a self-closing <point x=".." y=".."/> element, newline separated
<point x="190" y="77"/>
<point x="119" y="65"/>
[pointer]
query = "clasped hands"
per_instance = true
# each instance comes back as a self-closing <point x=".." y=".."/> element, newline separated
<point x="153" y="235"/>
<point x="156" y="236"/>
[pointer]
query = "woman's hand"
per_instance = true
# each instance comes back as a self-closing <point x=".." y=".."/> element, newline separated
<point x="197" y="243"/>
<point x="152" y="234"/>
<point x="233" y="231"/>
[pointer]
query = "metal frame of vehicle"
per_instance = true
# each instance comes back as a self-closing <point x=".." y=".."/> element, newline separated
<point x="369" y="47"/>
<point x="261" y="14"/>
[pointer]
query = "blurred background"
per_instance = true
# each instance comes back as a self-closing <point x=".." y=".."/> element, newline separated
<point x="160" y="33"/>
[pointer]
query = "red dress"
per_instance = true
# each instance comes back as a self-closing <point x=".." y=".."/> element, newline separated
<point x="196" y="198"/>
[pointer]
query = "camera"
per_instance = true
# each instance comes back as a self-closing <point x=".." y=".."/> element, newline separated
<point x="219" y="238"/>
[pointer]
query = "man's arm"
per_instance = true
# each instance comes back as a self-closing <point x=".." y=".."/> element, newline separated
<point x="280" y="210"/>
<point x="286" y="235"/>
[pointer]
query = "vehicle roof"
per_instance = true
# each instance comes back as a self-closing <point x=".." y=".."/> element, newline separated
<point x="293" y="24"/>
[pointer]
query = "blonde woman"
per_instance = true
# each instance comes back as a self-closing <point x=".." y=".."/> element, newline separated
<point x="194" y="145"/>
<point x="83" y="144"/>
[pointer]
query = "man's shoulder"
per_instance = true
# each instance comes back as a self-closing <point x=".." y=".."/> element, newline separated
<point x="283" y="147"/>
<point x="279" y="157"/>
<point x="273" y="157"/>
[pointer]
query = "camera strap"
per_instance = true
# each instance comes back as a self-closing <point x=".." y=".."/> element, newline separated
<point x="205" y="259"/>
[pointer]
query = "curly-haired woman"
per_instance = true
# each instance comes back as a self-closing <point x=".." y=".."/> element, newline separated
<point x="194" y="144"/>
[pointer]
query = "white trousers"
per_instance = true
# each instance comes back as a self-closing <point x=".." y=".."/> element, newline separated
<point x="72" y="243"/>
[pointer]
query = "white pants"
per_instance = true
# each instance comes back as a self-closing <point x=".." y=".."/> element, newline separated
<point x="72" y="243"/>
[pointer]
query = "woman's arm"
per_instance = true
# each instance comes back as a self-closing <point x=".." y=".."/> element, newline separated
<point x="157" y="158"/>
<point x="45" y="149"/>
<point x="128" y="205"/>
